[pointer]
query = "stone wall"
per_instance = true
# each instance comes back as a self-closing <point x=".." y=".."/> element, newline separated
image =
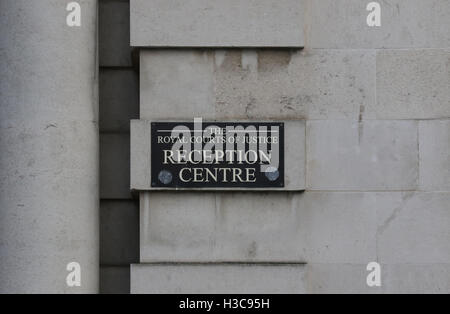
<point x="377" y="105"/>
<point x="374" y="105"/>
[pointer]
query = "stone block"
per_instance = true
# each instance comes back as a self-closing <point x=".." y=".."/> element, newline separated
<point x="176" y="84"/>
<point x="219" y="227"/>
<point x="415" y="230"/>
<point x="217" y="278"/>
<point x="260" y="227"/>
<point x="404" y="24"/>
<point x="413" y="84"/>
<point x="176" y="226"/>
<point x="339" y="227"/>
<point x="49" y="205"/>
<point x="364" y="156"/>
<point x="416" y="278"/>
<point x="407" y="278"/>
<point x="256" y="84"/>
<point x="335" y="278"/>
<point x="216" y="23"/>
<point x="434" y="140"/>
<point x="309" y="84"/>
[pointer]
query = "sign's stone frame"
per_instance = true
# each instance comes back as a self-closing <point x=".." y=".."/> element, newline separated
<point x="294" y="158"/>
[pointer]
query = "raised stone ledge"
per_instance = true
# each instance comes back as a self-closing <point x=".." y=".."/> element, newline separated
<point x="217" y="23"/>
<point x="218" y="278"/>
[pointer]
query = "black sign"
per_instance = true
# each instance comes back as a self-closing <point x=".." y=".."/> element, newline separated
<point x="217" y="154"/>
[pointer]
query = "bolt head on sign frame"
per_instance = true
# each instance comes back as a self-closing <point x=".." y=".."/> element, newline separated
<point x="217" y="154"/>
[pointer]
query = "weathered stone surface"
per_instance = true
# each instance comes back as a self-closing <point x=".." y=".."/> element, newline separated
<point x="60" y="79"/>
<point x="413" y="84"/>
<point x="115" y="279"/>
<point x="395" y="278"/>
<point x="416" y="278"/>
<point x="217" y="278"/>
<point x="48" y="147"/>
<point x="176" y="84"/>
<point x="283" y="84"/>
<point x="415" y="230"/>
<point x="312" y="84"/>
<point x="311" y="227"/>
<point x="119" y="99"/>
<point x="340" y="227"/>
<point x="217" y="23"/>
<point x="335" y="233"/>
<point x="256" y="84"/>
<point x="185" y="227"/>
<point x="115" y="166"/>
<point x="404" y="24"/>
<point x="164" y="217"/>
<point x="294" y="154"/>
<point x="434" y="148"/>
<point x="336" y="278"/>
<point x="119" y="232"/>
<point x="49" y="192"/>
<point x="114" y="33"/>
<point x="365" y="155"/>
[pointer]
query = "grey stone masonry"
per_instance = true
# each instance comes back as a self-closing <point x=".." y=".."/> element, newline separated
<point x="259" y="227"/>
<point x="49" y="168"/>
<point x="216" y="23"/>
<point x="328" y="24"/>
<point x="256" y="84"/>
<point x="312" y="227"/>
<point x="368" y="155"/>
<point x="308" y="84"/>
<point x="434" y="136"/>
<point x="342" y="24"/>
<point x="375" y="103"/>
<point x="395" y="278"/>
<point x="413" y="84"/>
